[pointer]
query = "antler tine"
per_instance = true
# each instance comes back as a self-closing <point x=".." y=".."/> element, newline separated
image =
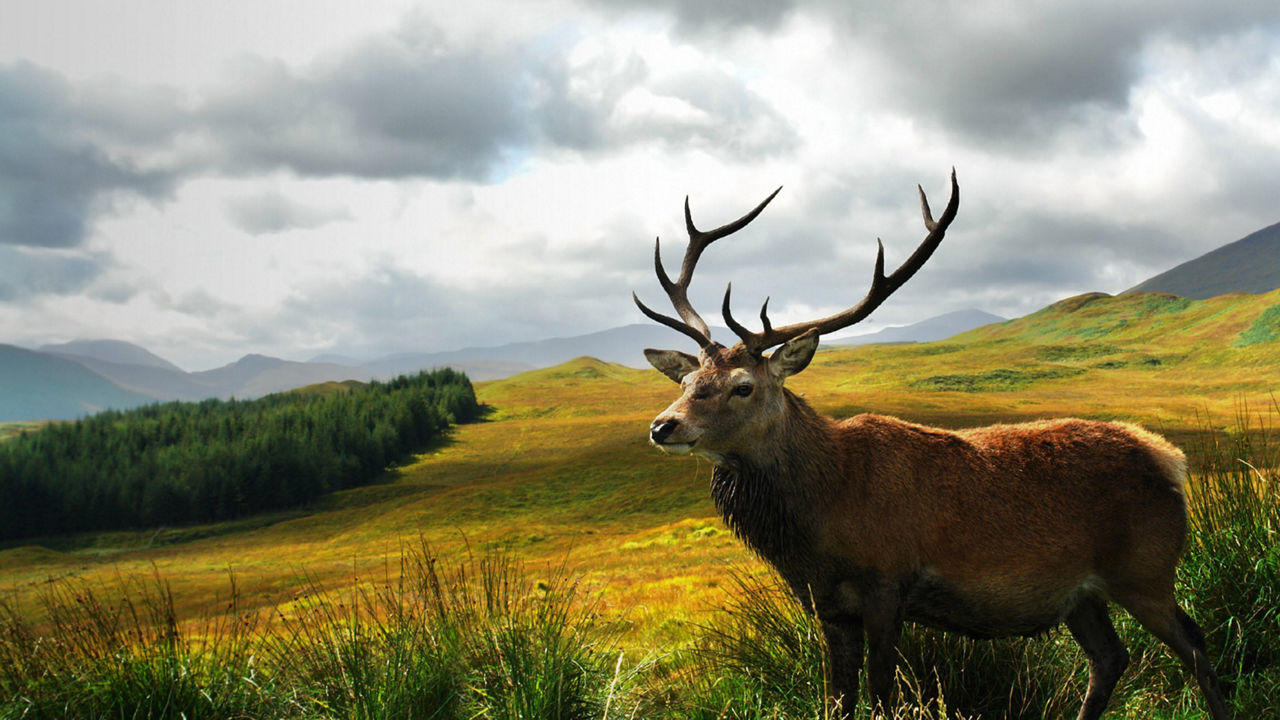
<point x="691" y="323"/>
<point x="678" y="291"/>
<point x="737" y="327"/>
<point x="674" y="324"/>
<point x="705" y="238"/>
<point x="740" y="330"/>
<point x="882" y="286"/>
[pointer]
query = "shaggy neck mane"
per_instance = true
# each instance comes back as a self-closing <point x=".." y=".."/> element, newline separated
<point x="764" y="495"/>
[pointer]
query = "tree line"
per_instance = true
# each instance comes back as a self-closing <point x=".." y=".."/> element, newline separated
<point x="175" y="463"/>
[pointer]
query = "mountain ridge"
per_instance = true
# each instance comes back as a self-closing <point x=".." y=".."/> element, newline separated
<point x="1250" y="265"/>
<point x="938" y="327"/>
<point x="45" y="386"/>
<point x="149" y="378"/>
<point x="254" y="375"/>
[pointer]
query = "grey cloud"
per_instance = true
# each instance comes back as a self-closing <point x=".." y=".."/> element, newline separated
<point x="116" y="293"/>
<point x="716" y="112"/>
<point x="408" y="106"/>
<point x="392" y="107"/>
<point x="397" y="106"/>
<point x="54" y="177"/>
<point x="711" y="17"/>
<point x="274" y="212"/>
<point x="1046" y="253"/>
<point x="1021" y="75"/>
<point x="387" y="111"/>
<point x="196" y="303"/>
<point x="29" y="272"/>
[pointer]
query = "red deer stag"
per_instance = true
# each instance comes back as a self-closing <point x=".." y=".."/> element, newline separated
<point x="873" y="521"/>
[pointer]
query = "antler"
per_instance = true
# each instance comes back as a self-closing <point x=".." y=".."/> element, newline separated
<point x="881" y="286"/>
<point x="693" y="324"/>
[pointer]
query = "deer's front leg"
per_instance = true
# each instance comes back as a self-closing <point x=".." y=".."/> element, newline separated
<point x="882" y="616"/>
<point x="844" y="647"/>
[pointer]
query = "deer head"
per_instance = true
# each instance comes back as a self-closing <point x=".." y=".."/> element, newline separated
<point x="733" y="397"/>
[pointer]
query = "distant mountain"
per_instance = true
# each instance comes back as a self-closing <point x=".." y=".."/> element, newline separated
<point x="256" y="375"/>
<point x="37" y="385"/>
<point x="623" y="345"/>
<point x="1249" y="265"/>
<point x="158" y="383"/>
<point x="935" y="328"/>
<point x="335" y="359"/>
<point x="89" y="375"/>
<point x="44" y="386"/>
<point x="113" y="351"/>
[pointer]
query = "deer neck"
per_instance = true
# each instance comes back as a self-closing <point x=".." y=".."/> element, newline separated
<point x="768" y="496"/>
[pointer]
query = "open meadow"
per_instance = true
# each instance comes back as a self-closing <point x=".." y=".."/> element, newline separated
<point x="559" y="479"/>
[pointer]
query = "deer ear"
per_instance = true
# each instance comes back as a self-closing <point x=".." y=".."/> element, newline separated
<point x="793" y="356"/>
<point x="672" y="363"/>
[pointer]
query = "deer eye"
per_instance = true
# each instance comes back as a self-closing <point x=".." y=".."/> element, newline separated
<point x="743" y="390"/>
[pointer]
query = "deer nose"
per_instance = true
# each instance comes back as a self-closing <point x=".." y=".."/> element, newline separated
<point x="661" y="429"/>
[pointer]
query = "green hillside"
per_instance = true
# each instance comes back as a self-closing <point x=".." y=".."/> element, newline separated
<point x="1151" y="357"/>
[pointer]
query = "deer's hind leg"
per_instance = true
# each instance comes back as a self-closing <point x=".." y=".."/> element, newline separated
<point x="1091" y="626"/>
<point x="1163" y="618"/>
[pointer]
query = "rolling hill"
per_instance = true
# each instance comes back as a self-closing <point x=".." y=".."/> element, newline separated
<point x="1248" y="265"/>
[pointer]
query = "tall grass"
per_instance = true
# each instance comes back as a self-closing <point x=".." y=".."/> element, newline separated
<point x="763" y="657"/>
<point x="479" y="639"/>
<point x="129" y="657"/>
<point x="436" y="642"/>
<point x="1231" y="572"/>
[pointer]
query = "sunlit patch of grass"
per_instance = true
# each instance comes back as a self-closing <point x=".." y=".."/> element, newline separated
<point x="1266" y="328"/>
<point x="18" y="427"/>
<point x="1060" y="353"/>
<point x="998" y="380"/>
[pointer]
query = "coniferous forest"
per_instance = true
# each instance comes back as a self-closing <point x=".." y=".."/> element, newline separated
<point x="176" y="463"/>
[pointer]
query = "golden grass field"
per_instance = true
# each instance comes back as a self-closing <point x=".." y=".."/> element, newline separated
<point x="561" y="471"/>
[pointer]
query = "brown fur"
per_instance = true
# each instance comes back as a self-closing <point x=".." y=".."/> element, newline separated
<point x="1001" y="530"/>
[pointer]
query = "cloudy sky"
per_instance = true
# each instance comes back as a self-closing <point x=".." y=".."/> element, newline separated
<point x="209" y="179"/>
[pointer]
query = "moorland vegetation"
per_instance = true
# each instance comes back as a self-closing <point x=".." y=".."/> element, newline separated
<point x="546" y="563"/>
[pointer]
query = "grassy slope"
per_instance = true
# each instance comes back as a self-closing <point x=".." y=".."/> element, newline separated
<point x="561" y="468"/>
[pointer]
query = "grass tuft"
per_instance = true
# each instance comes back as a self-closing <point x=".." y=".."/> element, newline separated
<point x="131" y="658"/>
